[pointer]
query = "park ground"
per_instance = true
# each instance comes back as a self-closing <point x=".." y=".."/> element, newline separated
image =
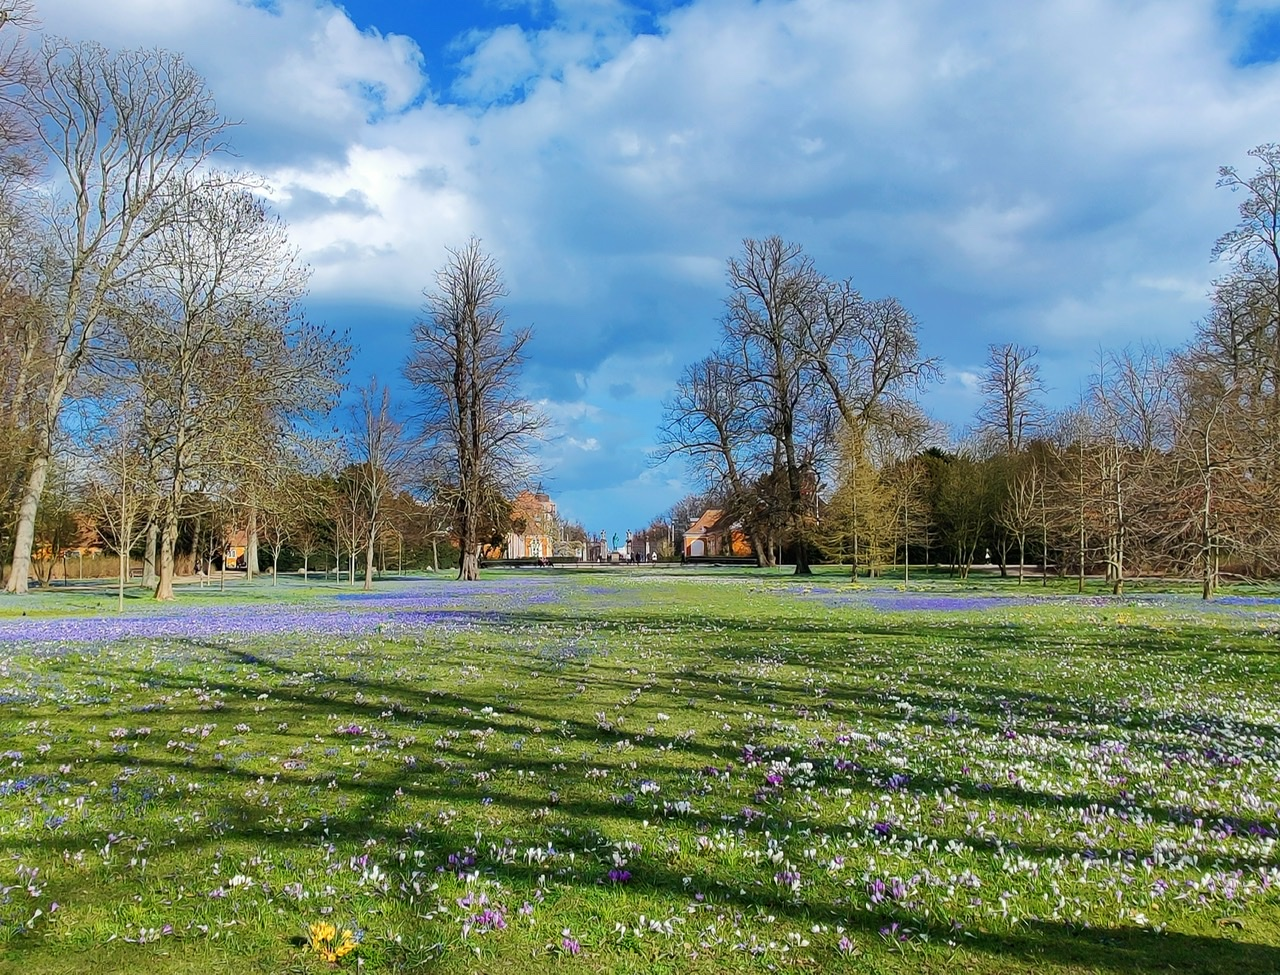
<point x="638" y="771"/>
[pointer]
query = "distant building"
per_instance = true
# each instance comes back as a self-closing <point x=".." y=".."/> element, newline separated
<point x="534" y="526"/>
<point x="85" y="540"/>
<point x="235" y="552"/>
<point x="715" y="534"/>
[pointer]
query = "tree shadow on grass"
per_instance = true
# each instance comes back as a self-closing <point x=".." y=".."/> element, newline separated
<point x="371" y="807"/>
<point x="1036" y="945"/>
<point x="427" y="708"/>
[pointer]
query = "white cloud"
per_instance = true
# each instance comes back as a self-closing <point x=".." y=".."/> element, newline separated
<point x="991" y="235"/>
<point x="300" y="75"/>
<point x="1040" y="170"/>
<point x="499" y="63"/>
<point x="1191" y="288"/>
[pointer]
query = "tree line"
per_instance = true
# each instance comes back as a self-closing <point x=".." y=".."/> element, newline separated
<point x="162" y="387"/>
<point x="804" y="425"/>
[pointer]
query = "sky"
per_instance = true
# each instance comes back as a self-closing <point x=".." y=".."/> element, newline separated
<point x="1041" y="173"/>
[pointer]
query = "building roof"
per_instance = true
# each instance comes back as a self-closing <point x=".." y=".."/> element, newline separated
<point x="709" y="522"/>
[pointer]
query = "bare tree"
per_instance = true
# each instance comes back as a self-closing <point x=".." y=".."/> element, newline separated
<point x="805" y="364"/>
<point x="774" y="293"/>
<point x="216" y="269"/>
<point x="465" y="368"/>
<point x="1023" y="503"/>
<point x="1132" y="403"/>
<point x="26" y="270"/>
<point x="1012" y="387"/>
<point x="309" y="502"/>
<point x="1225" y="473"/>
<point x="276" y="524"/>
<point x="436" y="510"/>
<point x="121" y="495"/>
<point x="710" y="420"/>
<point x="380" y="452"/>
<point x="19" y="74"/>
<point x="1073" y="491"/>
<point x="1207" y="467"/>
<point x="214" y="339"/>
<point x="868" y="357"/>
<point x="1253" y="245"/>
<point x="348" y="517"/>
<point x="274" y="485"/>
<point x="20" y="156"/>
<point x="119" y="128"/>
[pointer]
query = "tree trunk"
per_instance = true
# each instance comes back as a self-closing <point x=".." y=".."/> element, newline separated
<point x="251" y="546"/>
<point x="149" y="554"/>
<point x="762" y="545"/>
<point x="906" y="545"/>
<point x="25" y="535"/>
<point x="1080" y="583"/>
<point x="368" y="566"/>
<point x="1044" y="554"/>
<point x="168" y="539"/>
<point x="468" y="543"/>
<point x="797" y="511"/>
<point x="802" y="559"/>
<point x="469" y="569"/>
<point x="1206" y="543"/>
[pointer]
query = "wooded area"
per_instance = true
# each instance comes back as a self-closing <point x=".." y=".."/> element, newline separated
<point x="164" y="392"/>
<point x="806" y="424"/>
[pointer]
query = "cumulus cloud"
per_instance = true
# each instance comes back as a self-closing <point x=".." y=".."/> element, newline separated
<point x="303" y="79"/>
<point x="305" y="204"/>
<point x="1039" y="169"/>
<point x="498" y="65"/>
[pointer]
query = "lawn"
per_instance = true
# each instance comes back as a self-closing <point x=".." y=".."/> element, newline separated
<point x="640" y="771"/>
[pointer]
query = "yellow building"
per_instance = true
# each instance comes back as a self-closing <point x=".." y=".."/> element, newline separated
<point x="533" y="528"/>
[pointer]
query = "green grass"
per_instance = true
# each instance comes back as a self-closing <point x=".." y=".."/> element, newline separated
<point x="802" y="775"/>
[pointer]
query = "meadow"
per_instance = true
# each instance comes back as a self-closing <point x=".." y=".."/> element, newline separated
<point x="640" y="771"/>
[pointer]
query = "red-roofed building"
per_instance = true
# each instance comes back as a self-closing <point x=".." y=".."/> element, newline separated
<point x="715" y="534"/>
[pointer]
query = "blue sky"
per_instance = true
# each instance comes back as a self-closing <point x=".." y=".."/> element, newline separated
<point x="1033" y="172"/>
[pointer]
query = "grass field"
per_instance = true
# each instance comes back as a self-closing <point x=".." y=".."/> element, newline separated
<point x="640" y="772"/>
